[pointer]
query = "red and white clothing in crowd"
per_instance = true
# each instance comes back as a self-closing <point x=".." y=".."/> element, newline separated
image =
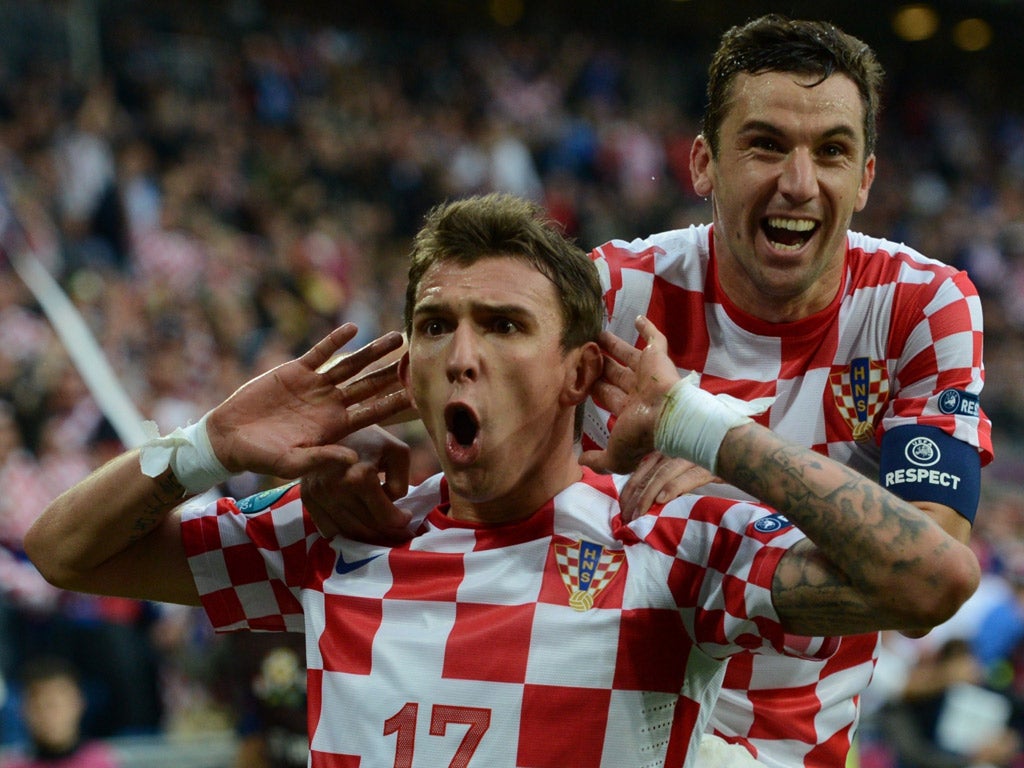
<point x="568" y="638"/>
<point x="885" y="380"/>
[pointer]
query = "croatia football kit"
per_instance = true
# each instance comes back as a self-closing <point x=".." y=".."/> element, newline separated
<point x="885" y="379"/>
<point x="566" y="639"/>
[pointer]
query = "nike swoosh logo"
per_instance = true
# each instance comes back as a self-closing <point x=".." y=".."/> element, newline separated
<point x="344" y="567"/>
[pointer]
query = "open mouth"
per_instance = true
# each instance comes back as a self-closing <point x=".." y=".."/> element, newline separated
<point x="462" y="424"/>
<point x="788" y="234"/>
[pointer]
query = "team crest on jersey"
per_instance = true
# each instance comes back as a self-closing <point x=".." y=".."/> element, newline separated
<point x="586" y="569"/>
<point x="861" y="391"/>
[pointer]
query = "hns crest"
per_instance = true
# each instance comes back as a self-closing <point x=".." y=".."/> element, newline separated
<point x="860" y="392"/>
<point x="586" y="569"/>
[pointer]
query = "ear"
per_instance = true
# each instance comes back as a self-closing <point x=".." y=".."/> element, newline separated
<point x="403" y="376"/>
<point x="700" y="166"/>
<point x="865" y="183"/>
<point x="581" y="375"/>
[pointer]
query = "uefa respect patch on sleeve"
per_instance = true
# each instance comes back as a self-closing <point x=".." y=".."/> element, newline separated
<point x="957" y="402"/>
<point x="921" y="463"/>
<point x="769" y="525"/>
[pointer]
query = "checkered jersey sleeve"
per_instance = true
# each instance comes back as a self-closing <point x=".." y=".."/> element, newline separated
<point x="250" y="559"/>
<point x="725" y="554"/>
<point x="662" y="277"/>
<point x="935" y="344"/>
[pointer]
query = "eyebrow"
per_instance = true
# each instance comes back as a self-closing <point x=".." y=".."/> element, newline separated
<point x="514" y="310"/>
<point x="762" y="126"/>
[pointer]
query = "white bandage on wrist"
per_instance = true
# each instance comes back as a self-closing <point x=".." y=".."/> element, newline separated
<point x="188" y="453"/>
<point x="692" y="423"/>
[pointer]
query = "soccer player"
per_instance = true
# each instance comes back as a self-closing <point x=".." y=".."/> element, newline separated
<point x="526" y="622"/>
<point x="859" y="348"/>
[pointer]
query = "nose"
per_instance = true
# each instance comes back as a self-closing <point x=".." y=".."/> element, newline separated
<point x="463" y="362"/>
<point x="798" y="180"/>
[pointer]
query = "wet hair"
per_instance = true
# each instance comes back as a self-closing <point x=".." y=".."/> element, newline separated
<point x="502" y="225"/>
<point x="775" y="43"/>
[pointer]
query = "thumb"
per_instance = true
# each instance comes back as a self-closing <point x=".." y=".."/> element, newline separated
<point x="598" y="460"/>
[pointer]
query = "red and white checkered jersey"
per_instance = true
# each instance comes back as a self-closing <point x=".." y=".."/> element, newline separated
<point x="908" y="328"/>
<point x="567" y="639"/>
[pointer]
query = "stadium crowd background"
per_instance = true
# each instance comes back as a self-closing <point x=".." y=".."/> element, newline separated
<point x="216" y="185"/>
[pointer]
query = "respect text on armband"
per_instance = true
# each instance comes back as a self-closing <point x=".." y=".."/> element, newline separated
<point x="923" y="463"/>
<point x="918" y="475"/>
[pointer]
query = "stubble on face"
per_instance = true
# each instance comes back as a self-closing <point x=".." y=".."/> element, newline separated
<point x="789" y="175"/>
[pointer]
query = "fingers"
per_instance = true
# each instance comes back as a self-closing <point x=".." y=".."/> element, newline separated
<point x="618" y="375"/>
<point x="343" y="367"/>
<point x="377" y="410"/>
<point x="327" y="346"/>
<point x="395" y="465"/>
<point x="606" y="462"/>
<point x="296" y="462"/>
<point x="650" y="334"/>
<point x="597" y="461"/>
<point x="354" y="504"/>
<point x="618" y="349"/>
<point x="639" y="491"/>
<point x="658" y="480"/>
<point x="372" y="383"/>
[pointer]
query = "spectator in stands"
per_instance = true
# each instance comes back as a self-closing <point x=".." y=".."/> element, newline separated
<point x="928" y="726"/>
<point x="54" y="706"/>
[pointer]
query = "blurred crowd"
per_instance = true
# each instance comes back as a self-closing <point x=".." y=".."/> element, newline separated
<point x="215" y="196"/>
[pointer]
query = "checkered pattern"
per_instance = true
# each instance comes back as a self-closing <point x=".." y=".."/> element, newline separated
<point x="902" y="330"/>
<point x="461" y="647"/>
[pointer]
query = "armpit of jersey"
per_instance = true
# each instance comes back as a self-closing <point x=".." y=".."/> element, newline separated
<point x="922" y="463"/>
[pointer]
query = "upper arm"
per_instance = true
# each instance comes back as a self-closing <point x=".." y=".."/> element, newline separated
<point x="154" y="568"/>
<point x="815" y="597"/>
<point x="951" y="521"/>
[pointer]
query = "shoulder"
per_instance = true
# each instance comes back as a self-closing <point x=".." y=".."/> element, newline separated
<point x="889" y="261"/>
<point x="672" y="245"/>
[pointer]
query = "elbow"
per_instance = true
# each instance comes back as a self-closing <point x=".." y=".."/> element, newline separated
<point x="954" y="579"/>
<point x="45" y="555"/>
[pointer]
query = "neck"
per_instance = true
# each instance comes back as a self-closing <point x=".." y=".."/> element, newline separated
<point x="534" y="489"/>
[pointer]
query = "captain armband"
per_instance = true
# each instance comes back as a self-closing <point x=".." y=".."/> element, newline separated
<point x="921" y="463"/>
<point x="188" y="454"/>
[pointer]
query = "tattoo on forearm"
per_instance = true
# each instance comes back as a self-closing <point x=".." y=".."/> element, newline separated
<point x="819" y="496"/>
<point x="168" y="494"/>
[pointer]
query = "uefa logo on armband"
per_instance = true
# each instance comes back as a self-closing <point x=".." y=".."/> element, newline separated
<point x="922" y="452"/>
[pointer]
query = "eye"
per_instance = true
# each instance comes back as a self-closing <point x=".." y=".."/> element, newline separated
<point x="504" y="325"/>
<point x="433" y="326"/>
<point x="835" y="151"/>
<point x="765" y="144"/>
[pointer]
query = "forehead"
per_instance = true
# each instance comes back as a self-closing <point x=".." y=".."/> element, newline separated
<point x="498" y="280"/>
<point x="793" y="101"/>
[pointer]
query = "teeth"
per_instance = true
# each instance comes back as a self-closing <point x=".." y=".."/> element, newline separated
<point x="793" y="225"/>
<point x="784" y="247"/>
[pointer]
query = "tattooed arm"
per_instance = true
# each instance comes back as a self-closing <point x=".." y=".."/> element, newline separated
<point x="872" y="561"/>
<point x="117" y="531"/>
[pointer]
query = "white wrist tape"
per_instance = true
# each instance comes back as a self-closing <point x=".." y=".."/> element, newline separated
<point x="187" y="451"/>
<point x="692" y="423"/>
